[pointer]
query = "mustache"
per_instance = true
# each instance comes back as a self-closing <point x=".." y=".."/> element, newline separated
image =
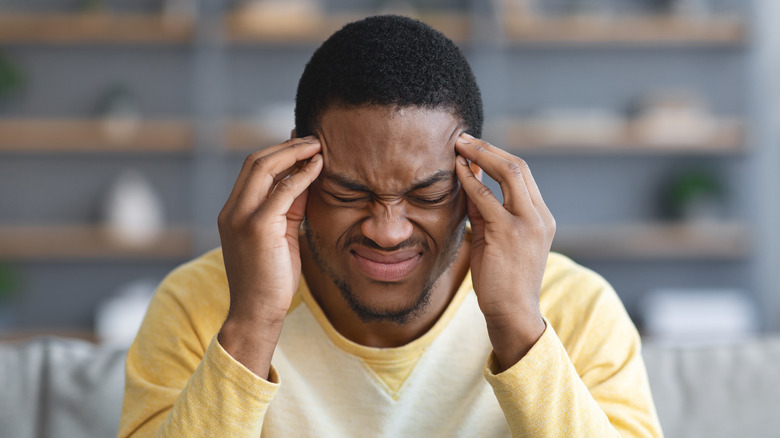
<point x="359" y="239"/>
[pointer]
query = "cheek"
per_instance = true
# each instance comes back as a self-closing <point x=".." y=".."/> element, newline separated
<point x="440" y="223"/>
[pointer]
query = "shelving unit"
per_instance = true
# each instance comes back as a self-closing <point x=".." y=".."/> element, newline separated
<point x="93" y="136"/>
<point x="624" y="31"/>
<point x="82" y="242"/>
<point x="242" y="28"/>
<point x="529" y="137"/>
<point x="223" y="39"/>
<point x="246" y="136"/>
<point x="96" y="28"/>
<point x="678" y="242"/>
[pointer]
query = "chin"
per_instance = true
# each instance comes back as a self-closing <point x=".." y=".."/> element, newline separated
<point x="399" y="302"/>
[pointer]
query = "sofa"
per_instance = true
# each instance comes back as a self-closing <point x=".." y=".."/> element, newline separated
<point x="55" y="387"/>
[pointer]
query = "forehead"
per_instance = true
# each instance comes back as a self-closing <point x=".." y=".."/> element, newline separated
<point x="388" y="147"/>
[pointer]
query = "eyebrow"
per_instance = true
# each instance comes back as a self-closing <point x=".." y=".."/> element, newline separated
<point x="351" y="184"/>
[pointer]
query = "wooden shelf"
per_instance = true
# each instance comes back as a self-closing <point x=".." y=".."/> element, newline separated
<point x="245" y="137"/>
<point x="95" y="27"/>
<point x="654" y="242"/>
<point x="243" y="28"/>
<point x="628" y="31"/>
<point x="534" y="138"/>
<point x="91" y="135"/>
<point x="30" y="243"/>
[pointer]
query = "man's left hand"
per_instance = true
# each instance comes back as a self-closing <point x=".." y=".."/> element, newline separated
<point x="509" y="247"/>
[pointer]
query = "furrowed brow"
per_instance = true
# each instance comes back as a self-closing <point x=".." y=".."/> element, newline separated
<point x="442" y="175"/>
<point x="346" y="183"/>
<point x="352" y="185"/>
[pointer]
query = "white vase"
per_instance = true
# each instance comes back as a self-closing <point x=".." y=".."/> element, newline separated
<point x="133" y="212"/>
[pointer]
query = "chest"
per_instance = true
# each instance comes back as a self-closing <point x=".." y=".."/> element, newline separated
<point x="327" y="392"/>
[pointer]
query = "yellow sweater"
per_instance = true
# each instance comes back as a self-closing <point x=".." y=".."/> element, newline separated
<point x="583" y="378"/>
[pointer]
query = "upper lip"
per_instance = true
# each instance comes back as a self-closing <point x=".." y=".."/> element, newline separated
<point x="383" y="257"/>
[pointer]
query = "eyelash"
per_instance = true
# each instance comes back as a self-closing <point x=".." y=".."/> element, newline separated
<point x="420" y="200"/>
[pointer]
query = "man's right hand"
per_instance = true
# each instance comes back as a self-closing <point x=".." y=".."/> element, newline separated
<point x="258" y="228"/>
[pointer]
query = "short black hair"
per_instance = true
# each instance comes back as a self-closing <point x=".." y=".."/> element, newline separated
<point x="388" y="60"/>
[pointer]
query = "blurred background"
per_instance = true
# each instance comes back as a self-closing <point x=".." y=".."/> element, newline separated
<point x="650" y="126"/>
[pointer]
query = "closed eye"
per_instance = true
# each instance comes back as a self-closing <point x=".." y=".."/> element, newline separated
<point x="429" y="201"/>
<point x="348" y="200"/>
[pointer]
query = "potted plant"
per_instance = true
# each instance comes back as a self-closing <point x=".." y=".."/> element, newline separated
<point x="11" y="78"/>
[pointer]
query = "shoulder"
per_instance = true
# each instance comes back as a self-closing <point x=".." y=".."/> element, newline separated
<point x="197" y="293"/>
<point x="581" y="305"/>
<point x="567" y="281"/>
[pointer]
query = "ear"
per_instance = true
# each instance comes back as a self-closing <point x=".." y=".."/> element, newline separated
<point x="292" y="133"/>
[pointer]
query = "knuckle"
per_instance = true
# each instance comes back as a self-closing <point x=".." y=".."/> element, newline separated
<point x="484" y="191"/>
<point x="222" y="218"/>
<point x="250" y="159"/>
<point x="260" y="161"/>
<point x="285" y="185"/>
<point x="513" y="168"/>
<point x="552" y="226"/>
<point x="522" y="163"/>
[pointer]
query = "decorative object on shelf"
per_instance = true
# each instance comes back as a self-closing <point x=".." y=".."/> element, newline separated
<point x="518" y="7"/>
<point x="133" y="212"/>
<point x="578" y="126"/>
<point x="281" y="18"/>
<point x="11" y="77"/>
<point x="9" y="285"/>
<point x="399" y="7"/>
<point x="92" y="5"/>
<point x="275" y="121"/>
<point x="598" y="9"/>
<point x="120" y="116"/>
<point x="177" y="11"/>
<point x="673" y="119"/>
<point x="118" y="318"/>
<point x="694" y="9"/>
<point x="694" y="196"/>
<point x="684" y="315"/>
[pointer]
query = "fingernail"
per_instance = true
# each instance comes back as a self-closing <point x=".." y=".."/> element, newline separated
<point x="461" y="160"/>
<point x="462" y="139"/>
<point x="469" y="136"/>
<point x="310" y="137"/>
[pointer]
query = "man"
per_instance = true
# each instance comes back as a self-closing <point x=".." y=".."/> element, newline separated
<point x="351" y="298"/>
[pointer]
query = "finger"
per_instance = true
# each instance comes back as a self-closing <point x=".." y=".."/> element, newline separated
<point x="250" y="160"/>
<point x="291" y="188"/>
<point x="530" y="182"/>
<point x="485" y="203"/>
<point x="508" y="173"/>
<point x="268" y="171"/>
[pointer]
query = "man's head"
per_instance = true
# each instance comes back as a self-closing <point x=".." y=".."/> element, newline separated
<point x="388" y="61"/>
<point x="388" y="97"/>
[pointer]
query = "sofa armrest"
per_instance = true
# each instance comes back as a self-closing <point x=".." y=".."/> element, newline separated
<point x="54" y="387"/>
<point x="725" y="390"/>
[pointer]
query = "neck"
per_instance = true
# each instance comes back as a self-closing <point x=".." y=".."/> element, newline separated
<point x="382" y="334"/>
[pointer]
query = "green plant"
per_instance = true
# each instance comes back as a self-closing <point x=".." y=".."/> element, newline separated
<point x="11" y="76"/>
<point x="689" y="188"/>
<point x="91" y="5"/>
<point x="9" y="281"/>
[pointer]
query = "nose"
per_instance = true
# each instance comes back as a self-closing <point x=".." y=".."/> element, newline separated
<point x="388" y="225"/>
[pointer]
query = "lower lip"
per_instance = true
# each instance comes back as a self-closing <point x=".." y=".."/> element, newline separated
<point x="387" y="272"/>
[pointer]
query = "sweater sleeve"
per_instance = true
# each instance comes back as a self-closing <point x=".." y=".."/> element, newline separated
<point x="586" y="380"/>
<point x="179" y="381"/>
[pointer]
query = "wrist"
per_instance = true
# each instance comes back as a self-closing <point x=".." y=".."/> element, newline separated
<point x="251" y="342"/>
<point x="513" y="338"/>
